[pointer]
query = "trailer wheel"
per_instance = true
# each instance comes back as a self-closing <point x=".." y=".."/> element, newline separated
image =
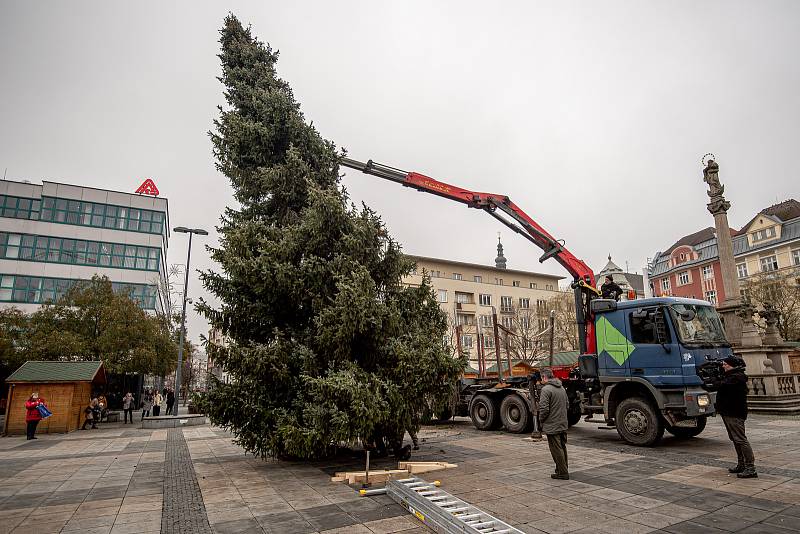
<point x="483" y="413"/>
<point x="684" y="432"/>
<point x="638" y="422"/>
<point x="514" y="414"/>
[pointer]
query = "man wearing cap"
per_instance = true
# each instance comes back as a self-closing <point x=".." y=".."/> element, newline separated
<point x="610" y="289"/>
<point x="732" y="406"/>
<point x="553" y="418"/>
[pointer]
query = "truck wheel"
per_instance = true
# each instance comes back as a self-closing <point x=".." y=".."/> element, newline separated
<point x="574" y="415"/>
<point x="514" y="414"/>
<point x="688" y="432"/>
<point x="483" y="413"/>
<point x="638" y="422"/>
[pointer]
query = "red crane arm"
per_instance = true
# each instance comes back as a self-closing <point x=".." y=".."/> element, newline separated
<point x="514" y="218"/>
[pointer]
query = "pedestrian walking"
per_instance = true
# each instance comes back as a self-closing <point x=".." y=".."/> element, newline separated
<point x="88" y="414"/>
<point x="147" y="404"/>
<point x="32" y="415"/>
<point x="128" y="404"/>
<point x="553" y="403"/>
<point x="171" y="402"/>
<point x="157" y="400"/>
<point x="732" y="406"/>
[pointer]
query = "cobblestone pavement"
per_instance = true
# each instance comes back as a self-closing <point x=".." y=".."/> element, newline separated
<point x="112" y="481"/>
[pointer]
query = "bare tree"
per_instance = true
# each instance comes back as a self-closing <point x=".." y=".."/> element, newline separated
<point x="781" y="289"/>
<point x="565" y="327"/>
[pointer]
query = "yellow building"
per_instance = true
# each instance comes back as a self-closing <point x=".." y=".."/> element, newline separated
<point x="470" y="293"/>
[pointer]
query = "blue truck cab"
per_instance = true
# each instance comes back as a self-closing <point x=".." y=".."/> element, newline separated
<point x="644" y="378"/>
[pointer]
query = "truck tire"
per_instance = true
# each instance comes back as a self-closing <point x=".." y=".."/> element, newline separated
<point x="688" y="432"/>
<point x="483" y="413"/>
<point x="514" y="414"/>
<point x="574" y="415"/>
<point x="638" y="422"/>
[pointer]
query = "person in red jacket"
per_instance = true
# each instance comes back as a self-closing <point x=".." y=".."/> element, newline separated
<point x="32" y="415"/>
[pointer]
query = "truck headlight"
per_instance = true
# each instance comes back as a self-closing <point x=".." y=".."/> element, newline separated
<point x="702" y="400"/>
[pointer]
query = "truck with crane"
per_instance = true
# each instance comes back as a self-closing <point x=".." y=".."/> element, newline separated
<point x="643" y="365"/>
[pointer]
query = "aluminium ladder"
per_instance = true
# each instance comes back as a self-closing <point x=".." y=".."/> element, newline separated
<point x="442" y="512"/>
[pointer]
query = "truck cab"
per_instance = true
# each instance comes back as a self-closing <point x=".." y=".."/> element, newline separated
<point x="644" y="378"/>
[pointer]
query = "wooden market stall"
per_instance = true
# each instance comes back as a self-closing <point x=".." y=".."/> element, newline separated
<point x="65" y="386"/>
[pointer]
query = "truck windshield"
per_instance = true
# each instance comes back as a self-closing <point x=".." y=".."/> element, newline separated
<point x="704" y="328"/>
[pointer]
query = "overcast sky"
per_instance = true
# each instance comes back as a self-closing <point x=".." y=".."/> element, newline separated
<point x="592" y="116"/>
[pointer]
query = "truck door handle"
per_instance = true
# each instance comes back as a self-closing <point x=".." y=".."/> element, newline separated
<point x="637" y="371"/>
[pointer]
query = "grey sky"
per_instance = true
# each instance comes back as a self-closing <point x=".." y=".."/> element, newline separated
<point x="592" y="116"/>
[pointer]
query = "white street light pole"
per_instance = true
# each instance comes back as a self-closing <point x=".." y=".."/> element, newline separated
<point x="190" y="231"/>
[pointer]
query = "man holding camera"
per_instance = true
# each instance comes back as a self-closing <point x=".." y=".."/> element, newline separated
<point x="732" y="406"/>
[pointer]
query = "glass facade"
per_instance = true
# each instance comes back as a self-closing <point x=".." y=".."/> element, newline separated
<point x="19" y="208"/>
<point x="38" y="290"/>
<point x="82" y="213"/>
<point x="39" y="248"/>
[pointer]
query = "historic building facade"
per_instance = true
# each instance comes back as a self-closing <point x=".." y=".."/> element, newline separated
<point x="53" y="235"/>
<point x="769" y="243"/>
<point x="470" y="293"/>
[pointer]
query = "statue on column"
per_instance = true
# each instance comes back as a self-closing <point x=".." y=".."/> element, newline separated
<point x="718" y="203"/>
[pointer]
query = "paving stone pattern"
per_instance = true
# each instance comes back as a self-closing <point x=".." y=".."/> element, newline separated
<point x="114" y="480"/>
<point x="183" y="509"/>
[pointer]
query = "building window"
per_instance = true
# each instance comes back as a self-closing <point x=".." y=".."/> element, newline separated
<point x="540" y="305"/>
<point x="796" y="257"/>
<point x="442" y="295"/>
<point x="549" y="287"/>
<point x="466" y="342"/>
<point x="524" y="303"/>
<point x="708" y="272"/>
<point x="683" y="278"/>
<point x="508" y="322"/>
<point x="19" y="208"/>
<point x="741" y="270"/>
<point x="665" y="284"/>
<point x="436" y="274"/>
<point x="78" y="252"/>
<point x="486" y="320"/>
<point x="766" y="233"/>
<point x="488" y="341"/>
<point x="463" y="319"/>
<point x="525" y="322"/>
<point x="477" y="278"/>
<point x="515" y="283"/>
<point x="506" y="304"/>
<point x="456" y="276"/>
<point x="463" y="298"/>
<point x="498" y="281"/>
<point x="533" y="285"/>
<point x="711" y="296"/>
<point x="769" y="263"/>
<point x="485" y="300"/>
<point x="38" y="290"/>
<point x="78" y="212"/>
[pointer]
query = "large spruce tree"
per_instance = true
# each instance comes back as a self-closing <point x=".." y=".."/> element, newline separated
<point x="326" y="343"/>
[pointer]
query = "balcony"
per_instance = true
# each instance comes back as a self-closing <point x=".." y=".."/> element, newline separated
<point x="467" y="307"/>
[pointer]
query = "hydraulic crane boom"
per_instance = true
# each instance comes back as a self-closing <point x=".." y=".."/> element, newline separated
<point x="503" y="209"/>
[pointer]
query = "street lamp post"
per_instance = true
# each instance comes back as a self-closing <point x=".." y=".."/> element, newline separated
<point x="190" y="231"/>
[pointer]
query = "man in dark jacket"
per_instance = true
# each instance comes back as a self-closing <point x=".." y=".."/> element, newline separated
<point x="610" y="289"/>
<point x="553" y="418"/>
<point x="732" y="406"/>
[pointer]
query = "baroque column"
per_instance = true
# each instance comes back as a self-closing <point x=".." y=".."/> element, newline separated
<point x="718" y="207"/>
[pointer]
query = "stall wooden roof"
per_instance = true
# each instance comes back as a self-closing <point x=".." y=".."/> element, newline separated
<point x="33" y="371"/>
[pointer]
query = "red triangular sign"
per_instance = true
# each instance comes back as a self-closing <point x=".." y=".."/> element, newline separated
<point x="147" y="188"/>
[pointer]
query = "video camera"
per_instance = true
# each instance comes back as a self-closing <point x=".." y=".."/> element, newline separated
<point x="711" y="372"/>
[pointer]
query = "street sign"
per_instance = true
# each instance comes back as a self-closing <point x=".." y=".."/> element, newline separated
<point x="148" y="187"/>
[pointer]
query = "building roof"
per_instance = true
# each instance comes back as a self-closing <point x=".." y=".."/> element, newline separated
<point x="704" y="242"/>
<point x="569" y="357"/>
<point x="632" y="280"/>
<point x="32" y="371"/>
<point x="504" y="365"/>
<point x="783" y="211"/>
<point x="488" y="267"/>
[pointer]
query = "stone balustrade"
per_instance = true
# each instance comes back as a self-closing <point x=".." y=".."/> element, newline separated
<point x="774" y="384"/>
